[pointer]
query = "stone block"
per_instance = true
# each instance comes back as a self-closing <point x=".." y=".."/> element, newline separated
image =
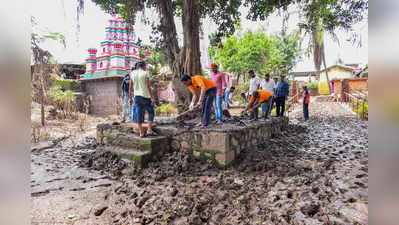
<point x="215" y="141"/>
<point x="141" y="158"/>
<point x="131" y="146"/>
<point x="224" y="159"/>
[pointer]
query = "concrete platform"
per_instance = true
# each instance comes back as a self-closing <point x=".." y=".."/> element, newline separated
<point x="222" y="144"/>
<point x="219" y="143"/>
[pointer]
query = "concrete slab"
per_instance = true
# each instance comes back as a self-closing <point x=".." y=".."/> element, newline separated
<point x="222" y="143"/>
<point x="219" y="143"/>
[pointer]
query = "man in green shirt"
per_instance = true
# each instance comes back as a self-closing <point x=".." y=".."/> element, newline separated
<point x="140" y="88"/>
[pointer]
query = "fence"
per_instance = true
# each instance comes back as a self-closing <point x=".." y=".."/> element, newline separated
<point x="290" y="103"/>
<point x="358" y="102"/>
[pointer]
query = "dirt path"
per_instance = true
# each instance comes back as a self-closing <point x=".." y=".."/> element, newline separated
<point x="316" y="172"/>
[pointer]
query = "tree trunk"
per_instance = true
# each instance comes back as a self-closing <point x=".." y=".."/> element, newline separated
<point x="191" y="29"/>
<point x="325" y="67"/>
<point x="186" y="61"/>
<point x="43" y="115"/>
<point x="316" y="54"/>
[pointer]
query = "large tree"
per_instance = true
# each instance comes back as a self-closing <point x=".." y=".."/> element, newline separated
<point x="275" y="54"/>
<point x="186" y="59"/>
<point x="181" y="59"/>
<point x="318" y="17"/>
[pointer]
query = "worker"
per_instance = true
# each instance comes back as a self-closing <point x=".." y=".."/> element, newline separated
<point x="140" y="88"/>
<point x="218" y="77"/>
<point x="208" y="93"/>
<point x="258" y="97"/>
<point x="228" y="96"/>
<point x="254" y="83"/>
<point x="305" y="100"/>
<point x="282" y="91"/>
<point x="268" y="85"/>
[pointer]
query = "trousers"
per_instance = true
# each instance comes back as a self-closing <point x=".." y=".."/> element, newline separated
<point x="217" y="104"/>
<point x="132" y="108"/>
<point x="280" y="105"/>
<point x="206" y="106"/>
<point x="142" y="105"/>
<point x="306" y="111"/>
<point x="267" y="107"/>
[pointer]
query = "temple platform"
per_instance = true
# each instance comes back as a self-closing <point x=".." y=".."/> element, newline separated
<point x="220" y="144"/>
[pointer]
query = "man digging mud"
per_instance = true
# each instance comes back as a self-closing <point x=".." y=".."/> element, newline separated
<point x="208" y="93"/>
<point x="258" y="97"/>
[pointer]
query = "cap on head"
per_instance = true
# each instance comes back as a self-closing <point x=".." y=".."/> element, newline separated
<point x="185" y="77"/>
<point x="214" y="65"/>
<point x="251" y="71"/>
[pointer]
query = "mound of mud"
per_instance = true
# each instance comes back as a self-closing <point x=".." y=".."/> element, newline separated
<point x="105" y="161"/>
<point x="314" y="172"/>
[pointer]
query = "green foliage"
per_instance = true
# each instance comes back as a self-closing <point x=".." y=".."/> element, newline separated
<point x="332" y="14"/>
<point x="68" y="84"/>
<point x="313" y="85"/>
<point x="223" y="12"/>
<point x="363" y="111"/>
<point x="165" y="109"/>
<point x="61" y="97"/>
<point x="157" y="60"/>
<point x="264" y="54"/>
<point x="241" y="88"/>
<point x="360" y="109"/>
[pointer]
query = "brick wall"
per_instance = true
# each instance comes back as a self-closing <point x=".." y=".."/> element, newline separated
<point x="358" y="84"/>
<point x="351" y="85"/>
<point x="104" y="94"/>
<point x="355" y="84"/>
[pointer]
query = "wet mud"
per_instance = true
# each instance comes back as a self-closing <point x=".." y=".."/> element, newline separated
<point x="315" y="172"/>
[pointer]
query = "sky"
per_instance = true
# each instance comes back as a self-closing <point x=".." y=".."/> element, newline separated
<point x="62" y="18"/>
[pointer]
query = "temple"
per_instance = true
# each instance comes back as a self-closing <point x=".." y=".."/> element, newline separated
<point x="118" y="53"/>
<point x="107" y="66"/>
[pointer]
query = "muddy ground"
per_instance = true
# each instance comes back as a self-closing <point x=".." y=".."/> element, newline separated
<point x="316" y="172"/>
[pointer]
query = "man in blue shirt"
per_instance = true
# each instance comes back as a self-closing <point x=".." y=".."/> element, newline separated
<point x="227" y="99"/>
<point x="282" y="91"/>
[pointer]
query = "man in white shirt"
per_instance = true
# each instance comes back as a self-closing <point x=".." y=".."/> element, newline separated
<point x="254" y="83"/>
<point x="275" y="79"/>
<point x="270" y="86"/>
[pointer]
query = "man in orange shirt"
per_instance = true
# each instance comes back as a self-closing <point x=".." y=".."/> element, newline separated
<point x="257" y="98"/>
<point x="208" y="93"/>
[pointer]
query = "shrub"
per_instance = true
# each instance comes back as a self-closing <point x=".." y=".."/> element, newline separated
<point x="364" y="110"/>
<point x="63" y="100"/>
<point x="313" y="85"/>
<point x="241" y="88"/>
<point x="165" y="109"/>
<point x="68" y="84"/>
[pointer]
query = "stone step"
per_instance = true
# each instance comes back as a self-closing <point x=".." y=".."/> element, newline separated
<point x="131" y="146"/>
<point x="140" y="157"/>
